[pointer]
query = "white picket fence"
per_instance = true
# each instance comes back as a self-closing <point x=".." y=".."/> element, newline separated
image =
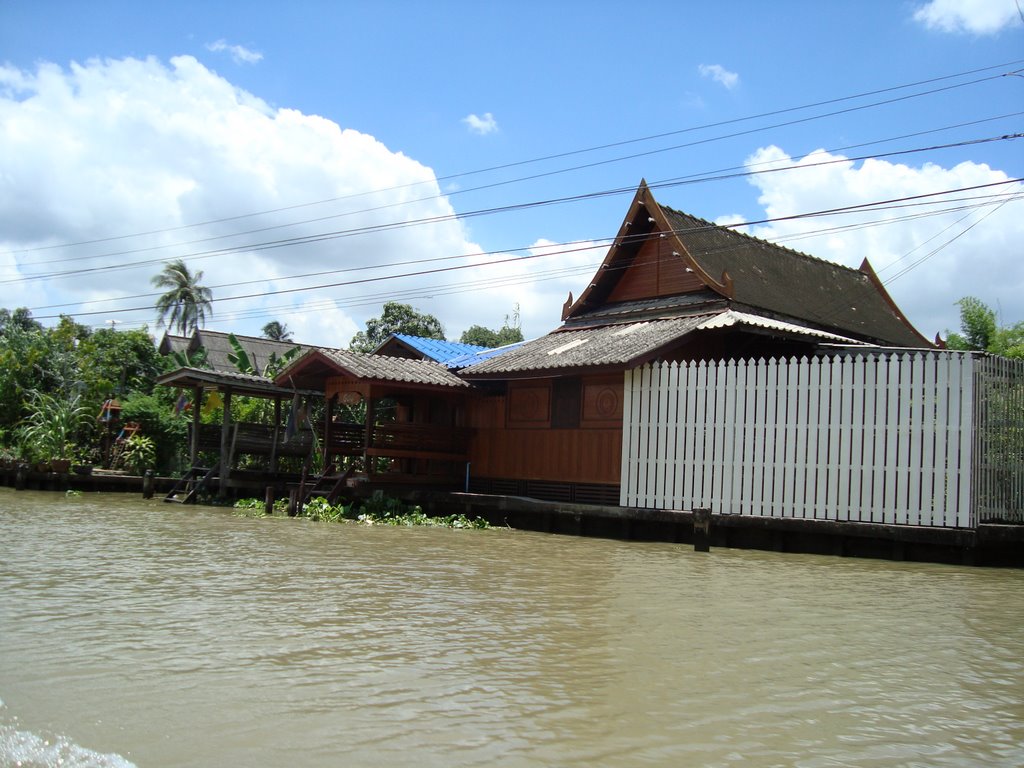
<point x="870" y="437"/>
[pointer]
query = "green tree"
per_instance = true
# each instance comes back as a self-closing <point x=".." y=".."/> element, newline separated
<point x="981" y="332"/>
<point x="276" y="331"/>
<point x="509" y="333"/>
<point x="396" y="318"/>
<point x="186" y="301"/>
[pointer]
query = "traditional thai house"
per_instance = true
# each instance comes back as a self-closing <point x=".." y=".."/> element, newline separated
<point x="544" y="418"/>
<point x="547" y="417"/>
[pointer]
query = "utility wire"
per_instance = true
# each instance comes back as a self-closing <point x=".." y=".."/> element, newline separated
<point x="321" y="237"/>
<point x="571" y="153"/>
<point x="857" y="208"/>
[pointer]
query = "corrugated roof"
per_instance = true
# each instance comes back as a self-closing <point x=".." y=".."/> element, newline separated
<point x="732" y="317"/>
<point x="625" y="344"/>
<point x="610" y="345"/>
<point x="437" y="350"/>
<point x="486" y="353"/>
<point x="381" y="368"/>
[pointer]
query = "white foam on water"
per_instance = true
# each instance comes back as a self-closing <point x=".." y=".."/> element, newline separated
<point x="24" y="749"/>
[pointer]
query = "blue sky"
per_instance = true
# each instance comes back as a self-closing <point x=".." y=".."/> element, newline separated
<point x="132" y="133"/>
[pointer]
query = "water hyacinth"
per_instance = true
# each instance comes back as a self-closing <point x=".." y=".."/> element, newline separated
<point x="377" y="510"/>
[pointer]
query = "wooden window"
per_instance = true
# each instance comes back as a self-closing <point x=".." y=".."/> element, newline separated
<point x="565" y="413"/>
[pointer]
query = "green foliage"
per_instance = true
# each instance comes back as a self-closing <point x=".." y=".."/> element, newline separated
<point x="117" y="361"/>
<point x="155" y="414"/>
<point x="396" y="318"/>
<point x="509" y="333"/>
<point x="381" y="509"/>
<point x="980" y="331"/>
<point x="485" y="337"/>
<point x="240" y="358"/>
<point x="52" y="426"/>
<point x="257" y="508"/>
<point x="186" y="359"/>
<point x="276" y="331"/>
<point x="138" y="455"/>
<point x="186" y="301"/>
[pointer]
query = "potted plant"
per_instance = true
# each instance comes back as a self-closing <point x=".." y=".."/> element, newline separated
<point x="48" y="432"/>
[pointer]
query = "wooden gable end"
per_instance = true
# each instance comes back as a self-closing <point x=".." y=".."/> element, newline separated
<point x="655" y="271"/>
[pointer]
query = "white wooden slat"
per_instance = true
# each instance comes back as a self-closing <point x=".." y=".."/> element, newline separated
<point x="966" y="515"/>
<point x="928" y="436"/>
<point x="939" y="476"/>
<point x="892" y="433"/>
<point x="822" y="376"/>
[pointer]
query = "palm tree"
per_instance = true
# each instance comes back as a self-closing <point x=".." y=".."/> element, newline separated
<point x="276" y="331"/>
<point x="186" y="301"/>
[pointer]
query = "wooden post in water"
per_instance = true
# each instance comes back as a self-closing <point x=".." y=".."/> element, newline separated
<point x="268" y="501"/>
<point x="293" y="502"/>
<point x="702" y="530"/>
<point x="147" y="484"/>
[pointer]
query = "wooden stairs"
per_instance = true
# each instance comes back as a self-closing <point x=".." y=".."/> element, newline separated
<point x="191" y="483"/>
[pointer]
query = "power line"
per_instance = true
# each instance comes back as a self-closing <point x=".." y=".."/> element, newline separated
<point x="857" y="208"/>
<point x="570" y="153"/>
<point x="321" y="237"/>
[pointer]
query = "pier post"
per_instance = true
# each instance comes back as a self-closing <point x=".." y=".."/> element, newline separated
<point x="702" y="530"/>
<point x="268" y="501"/>
<point x="147" y="484"/>
<point x="293" y="502"/>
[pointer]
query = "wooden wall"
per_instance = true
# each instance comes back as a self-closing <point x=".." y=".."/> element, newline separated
<point x="654" y="272"/>
<point x="567" y="429"/>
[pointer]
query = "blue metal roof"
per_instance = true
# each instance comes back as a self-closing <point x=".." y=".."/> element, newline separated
<point x="484" y="353"/>
<point x="439" y="351"/>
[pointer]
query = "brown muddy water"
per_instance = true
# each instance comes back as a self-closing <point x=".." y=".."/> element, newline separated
<point x="141" y="633"/>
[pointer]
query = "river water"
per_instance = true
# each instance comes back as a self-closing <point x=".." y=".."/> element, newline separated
<point x="141" y="633"/>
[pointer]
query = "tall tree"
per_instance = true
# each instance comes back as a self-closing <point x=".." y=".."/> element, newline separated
<point x="186" y="301"/>
<point x="981" y="332"/>
<point x="276" y="331"/>
<point x="396" y="318"/>
<point x="509" y="333"/>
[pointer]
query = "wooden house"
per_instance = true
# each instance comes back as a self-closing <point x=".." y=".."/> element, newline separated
<point x="546" y="418"/>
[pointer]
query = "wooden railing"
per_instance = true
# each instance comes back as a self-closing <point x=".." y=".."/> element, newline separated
<point x="419" y="441"/>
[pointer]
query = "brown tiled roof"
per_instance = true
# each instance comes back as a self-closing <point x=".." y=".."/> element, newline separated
<point x="770" y="277"/>
<point x="372" y="368"/>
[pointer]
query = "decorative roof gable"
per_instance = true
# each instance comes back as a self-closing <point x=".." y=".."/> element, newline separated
<point x="660" y="252"/>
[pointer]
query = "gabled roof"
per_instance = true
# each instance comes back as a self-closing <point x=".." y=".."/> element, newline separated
<point x="218" y="348"/>
<point x="420" y="347"/>
<point x="750" y="274"/>
<point x="485" y="353"/>
<point x="626" y="345"/>
<point x="311" y="368"/>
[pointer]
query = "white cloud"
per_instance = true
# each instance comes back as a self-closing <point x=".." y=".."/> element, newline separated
<point x="720" y="74"/>
<point x="982" y="262"/>
<point x="977" y="17"/>
<point x="481" y="125"/>
<point x="239" y="53"/>
<point x="96" y="153"/>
